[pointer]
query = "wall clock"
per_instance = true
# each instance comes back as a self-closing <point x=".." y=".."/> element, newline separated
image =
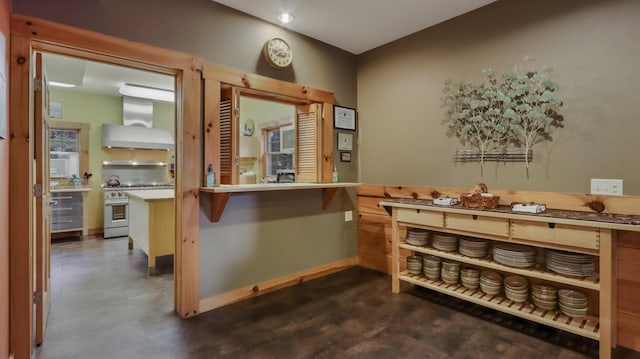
<point x="278" y="53"/>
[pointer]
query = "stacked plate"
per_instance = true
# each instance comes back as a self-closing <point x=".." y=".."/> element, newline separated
<point x="516" y="288"/>
<point x="567" y="263"/>
<point x="414" y="264"/>
<point x="473" y="247"/>
<point x="514" y="255"/>
<point x="450" y="272"/>
<point x="445" y="242"/>
<point x="470" y="278"/>
<point x="431" y="266"/>
<point x="490" y="282"/>
<point x="544" y="297"/>
<point x="417" y="236"/>
<point x="573" y="303"/>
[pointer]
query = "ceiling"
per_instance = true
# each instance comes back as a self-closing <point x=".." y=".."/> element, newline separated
<point x="357" y="25"/>
<point x="352" y="25"/>
<point x="100" y="78"/>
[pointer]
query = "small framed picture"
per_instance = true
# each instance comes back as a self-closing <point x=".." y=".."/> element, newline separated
<point x="344" y="118"/>
<point x="345" y="156"/>
<point x="345" y="141"/>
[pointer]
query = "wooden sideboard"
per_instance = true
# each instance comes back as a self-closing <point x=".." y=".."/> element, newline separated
<point x="613" y="317"/>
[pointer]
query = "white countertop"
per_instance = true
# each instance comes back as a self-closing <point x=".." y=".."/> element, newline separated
<point x="71" y="189"/>
<point x="151" y="194"/>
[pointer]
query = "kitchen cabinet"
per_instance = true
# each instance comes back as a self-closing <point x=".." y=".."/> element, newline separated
<point x="151" y="223"/>
<point x="67" y="210"/>
<point x="570" y="235"/>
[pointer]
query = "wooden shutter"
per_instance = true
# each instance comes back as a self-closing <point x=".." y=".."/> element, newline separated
<point x="225" y="141"/>
<point x="308" y="143"/>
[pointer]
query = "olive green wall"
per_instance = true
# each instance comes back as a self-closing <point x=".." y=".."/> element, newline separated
<point x="594" y="51"/>
<point x="96" y="110"/>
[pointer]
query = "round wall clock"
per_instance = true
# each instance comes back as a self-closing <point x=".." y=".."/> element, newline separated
<point x="278" y="53"/>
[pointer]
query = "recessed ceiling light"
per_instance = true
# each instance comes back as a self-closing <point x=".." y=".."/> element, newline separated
<point x="60" y="84"/>
<point x="285" y="18"/>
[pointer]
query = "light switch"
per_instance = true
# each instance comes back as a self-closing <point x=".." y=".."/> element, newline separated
<point x="348" y="216"/>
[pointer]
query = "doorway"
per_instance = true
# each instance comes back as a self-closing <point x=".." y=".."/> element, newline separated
<point x="83" y="96"/>
<point x="64" y="40"/>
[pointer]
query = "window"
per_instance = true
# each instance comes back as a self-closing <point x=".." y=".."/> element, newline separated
<point x="275" y="158"/>
<point x="68" y="148"/>
<point x="63" y="140"/>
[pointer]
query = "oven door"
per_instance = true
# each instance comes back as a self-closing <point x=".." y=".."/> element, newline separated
<point x="116" y="220"/>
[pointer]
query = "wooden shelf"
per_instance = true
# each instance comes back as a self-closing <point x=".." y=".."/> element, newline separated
<point x="592" y="282"/>
<point x="220" y="195"/>
<point x="587" y="327"/>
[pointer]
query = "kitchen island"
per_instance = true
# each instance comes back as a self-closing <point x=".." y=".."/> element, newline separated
<point x="151" y="223"/>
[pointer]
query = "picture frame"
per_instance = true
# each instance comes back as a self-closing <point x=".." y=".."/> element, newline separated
<point x="344" y="118"/>
<point x="345" y="141"/>
<point x="345" y="156"/>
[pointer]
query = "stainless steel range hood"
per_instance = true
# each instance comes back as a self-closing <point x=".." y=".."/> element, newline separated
<point x="137" y="131"/>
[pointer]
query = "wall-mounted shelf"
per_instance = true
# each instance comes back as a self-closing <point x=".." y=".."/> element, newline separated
<point x="220" y="195"/>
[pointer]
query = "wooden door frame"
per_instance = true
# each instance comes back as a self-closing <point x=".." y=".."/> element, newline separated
<point x="30" y="34"/>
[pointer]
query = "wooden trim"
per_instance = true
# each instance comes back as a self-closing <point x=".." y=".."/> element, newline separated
<point x="265" y="287"/>
<point x="266" y="84"/>
<point x="326" y="136"/>
<point x="556" y="200"/>
<point x="68" y="40"/>
<point x="21" y="177"/>
<point x="187" y="196"/>
<point x="211" y="127"/>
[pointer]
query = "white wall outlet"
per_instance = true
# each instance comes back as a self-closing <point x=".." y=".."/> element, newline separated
<point x="611" y="187"/>
<point x="348" y="216"/>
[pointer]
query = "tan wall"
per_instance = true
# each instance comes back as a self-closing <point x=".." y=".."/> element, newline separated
<point x="218" y="34"/>
<point x="96" y="110"/>
<point x="592" y="46"/>
<point x="4" y="198"/>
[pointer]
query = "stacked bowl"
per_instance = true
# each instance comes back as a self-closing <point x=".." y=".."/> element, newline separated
<point x="516" y="288"/>
<point x="417" y="236"/>
<point x="490" y="282"/>
<point x="431" y="267"/>
<point x="470" y="278"/>
<point x="414" y="264"/>
<point x="473" y="247"/>
<point x="445" y="242"/>
<point x="450" y="272"/>
<point x="573" y="303"/>
<point x="544" y="297"/>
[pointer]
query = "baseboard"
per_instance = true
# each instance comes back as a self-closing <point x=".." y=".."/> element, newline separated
<point x="240" y="294"/>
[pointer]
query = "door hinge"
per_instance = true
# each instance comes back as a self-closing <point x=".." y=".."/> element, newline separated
<point x="37" y="84"/>
<point x="37" y="297"/>
<point x="37" y="190"/>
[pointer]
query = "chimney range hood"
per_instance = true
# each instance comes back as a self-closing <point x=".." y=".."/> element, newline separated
<point x="137" y="132"/>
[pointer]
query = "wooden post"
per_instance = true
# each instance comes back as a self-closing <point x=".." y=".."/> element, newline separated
<point x="607" y="293"/>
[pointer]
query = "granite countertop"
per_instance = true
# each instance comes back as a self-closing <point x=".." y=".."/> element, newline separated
<point x="549" y="213"/>
<point x="152" y="194"/>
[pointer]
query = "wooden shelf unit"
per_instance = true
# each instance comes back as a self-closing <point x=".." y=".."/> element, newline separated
<point x="587" y="327"/>
<point x="590" y="283"/>
<point x="558" y="233"/>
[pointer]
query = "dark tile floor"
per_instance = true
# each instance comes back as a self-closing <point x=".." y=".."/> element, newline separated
<point x="105" y="306"/>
